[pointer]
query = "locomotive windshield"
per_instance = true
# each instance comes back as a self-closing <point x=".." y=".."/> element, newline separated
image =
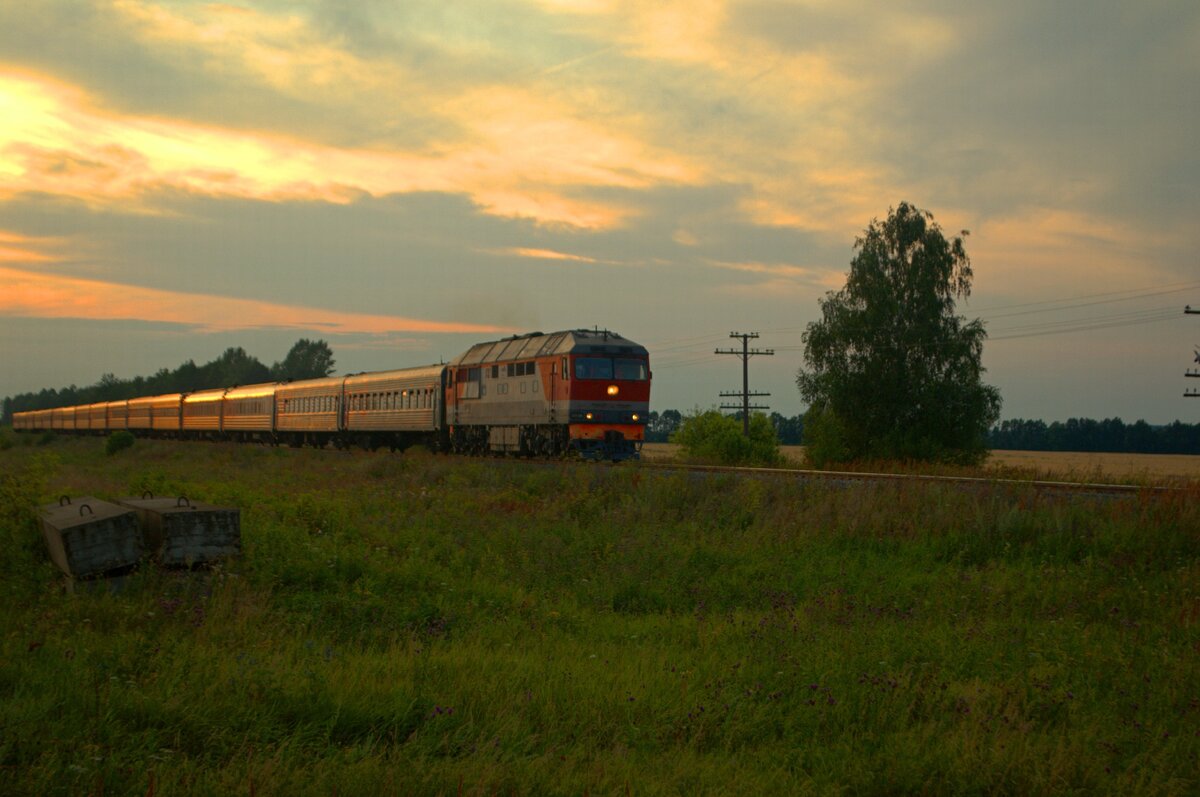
<point x="608" y="368"/>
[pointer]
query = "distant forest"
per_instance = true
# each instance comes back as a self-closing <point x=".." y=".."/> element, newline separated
<point x="1076" y="434"/>
<point x="1085" y="434"/>
<point x="309" y="359"/>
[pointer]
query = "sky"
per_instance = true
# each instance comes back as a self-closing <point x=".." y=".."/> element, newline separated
<point x="404" y="179"/>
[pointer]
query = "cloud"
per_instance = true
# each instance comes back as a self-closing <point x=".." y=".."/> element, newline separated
<point x="26" y="249"/>
<point x="540" y="254"/>
<point x="30" y="294"/>
<point x="524" y="156"/>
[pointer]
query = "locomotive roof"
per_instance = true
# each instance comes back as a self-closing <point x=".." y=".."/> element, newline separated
<point x="538" y="344"/>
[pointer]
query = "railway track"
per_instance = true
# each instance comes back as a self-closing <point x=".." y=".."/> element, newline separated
<point x="854" y="478"/>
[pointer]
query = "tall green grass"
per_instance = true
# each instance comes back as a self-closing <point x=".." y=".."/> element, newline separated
<point x="415" y="624"/>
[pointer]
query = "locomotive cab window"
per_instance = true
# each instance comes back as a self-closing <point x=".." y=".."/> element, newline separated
<point x="634" y="370"/>
<point x="605" y="368"/>
<point x="593" y="368"/>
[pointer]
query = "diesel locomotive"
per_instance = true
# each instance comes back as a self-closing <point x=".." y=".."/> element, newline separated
<point x="584" y="392"/>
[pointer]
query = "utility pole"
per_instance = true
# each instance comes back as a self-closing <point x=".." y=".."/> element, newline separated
<point x="1192" y="371"/>
<point x="745" y="354"/>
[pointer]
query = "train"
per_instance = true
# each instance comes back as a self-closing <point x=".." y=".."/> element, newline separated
<point x="576" y="392"/>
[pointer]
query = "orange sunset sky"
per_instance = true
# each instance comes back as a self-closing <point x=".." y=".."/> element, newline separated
<point x="403" y="179"/>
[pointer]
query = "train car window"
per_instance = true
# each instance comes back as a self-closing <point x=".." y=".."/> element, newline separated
<point x="495" y="371"/>
<point x="509" y="369"/>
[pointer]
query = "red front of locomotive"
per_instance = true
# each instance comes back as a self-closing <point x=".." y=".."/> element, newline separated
<point x="608" y="399"/>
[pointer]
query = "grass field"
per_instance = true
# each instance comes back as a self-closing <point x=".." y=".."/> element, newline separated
<point x="414" y="624"/>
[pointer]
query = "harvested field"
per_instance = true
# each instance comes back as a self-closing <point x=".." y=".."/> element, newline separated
<point x="1076" y="465"/>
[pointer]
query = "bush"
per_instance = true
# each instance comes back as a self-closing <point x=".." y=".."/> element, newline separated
<point x="118" y="441"/>
<point x="713" y="437"/>
<point x="824" y="438"/>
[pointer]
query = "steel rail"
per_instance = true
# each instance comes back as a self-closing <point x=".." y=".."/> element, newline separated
<point x="962" y="481"/>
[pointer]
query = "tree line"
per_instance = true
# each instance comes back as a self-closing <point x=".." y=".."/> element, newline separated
<point x="1085" y="434"/>
<point x="307" y="359"/>
<point x="1019" y="434"/>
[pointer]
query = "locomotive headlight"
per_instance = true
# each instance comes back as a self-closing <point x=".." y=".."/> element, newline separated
<point x="588" y="416"/>
<point x="635" y="416"/>
<point x="613" y="390"/>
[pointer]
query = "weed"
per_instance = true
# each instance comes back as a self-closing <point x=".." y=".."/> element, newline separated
<point x="420" y="624"/>
<point x="118" y="441"/>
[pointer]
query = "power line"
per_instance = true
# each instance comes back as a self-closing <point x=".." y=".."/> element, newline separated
<point x="684" y="348"/>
